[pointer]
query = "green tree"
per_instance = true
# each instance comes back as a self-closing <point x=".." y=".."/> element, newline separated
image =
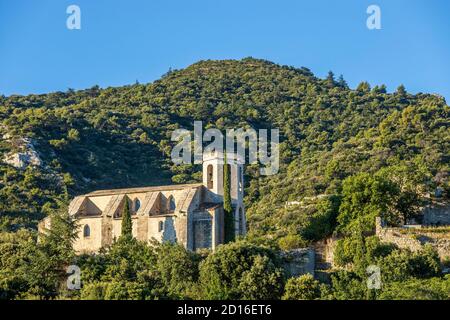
<point x="357" y="249"/>
<point x="292" y="241"/>
<point x="73" y="135"/>
<point x="364" y="197"/>
<point x="341" y="82"/>
<point x="417" y="289"/>
<point x="40" y="264"/>
<point x="15" y="251"/>
<point x="363" y="87"/>
<point x="47" y="272"/>
<point x="125" y="290"/>
<point x="227" y="207"/>
<point x="37" y="269"/>
<point x="322" y="223"/>
<point x="304" y="287"/>
<point x="360" y="258"/>
<point x="93" y="290"/>
<point x="222" y="272"/>
<point x="401" y="91"/>
<point x="115" y="290"/>
<point x="330" y="79"/>
<point x="262" y="281"/>
<point x="128" y="260"/>
<point x="346" y="285"/>
<point x="177" y="269"/>
<point x="126" y="270"/>
<point x="127" y="224"/>
<point x="401" y="265"/>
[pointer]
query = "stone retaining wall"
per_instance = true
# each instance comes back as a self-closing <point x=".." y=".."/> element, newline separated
<point x="415" y="240"/>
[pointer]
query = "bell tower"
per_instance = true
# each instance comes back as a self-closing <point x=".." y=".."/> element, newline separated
<point x="213" y="179"/>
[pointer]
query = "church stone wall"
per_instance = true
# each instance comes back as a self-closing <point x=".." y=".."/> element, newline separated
<point x="169" y="231"/>
<point x="182" y="229"/>
<point x="218" y="227"/>
<point x="117" y="227"/>
<point x="185" y="221"/>
<point x="94" y="241"/>
<point x="142" y="228"/>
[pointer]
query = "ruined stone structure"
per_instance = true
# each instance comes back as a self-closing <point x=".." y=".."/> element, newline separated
<point x="415" y="237"/>
<point x="324" y="252"/>
<point x="190" y="214"/>
<point x="298" y="261"/>
<point x="434" y="231"/>
<point x="437" y="213"/>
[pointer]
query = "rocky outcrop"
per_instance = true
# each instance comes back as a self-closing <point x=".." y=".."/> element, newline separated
<point x="26" y="156"/>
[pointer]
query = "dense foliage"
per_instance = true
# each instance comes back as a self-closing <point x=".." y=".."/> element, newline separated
<point x="346" y="156"/>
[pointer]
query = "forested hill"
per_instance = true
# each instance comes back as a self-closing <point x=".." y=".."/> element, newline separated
<point x="120" y="137"/>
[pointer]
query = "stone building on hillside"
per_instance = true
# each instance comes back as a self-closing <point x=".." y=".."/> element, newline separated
<point x="190" y="214"/>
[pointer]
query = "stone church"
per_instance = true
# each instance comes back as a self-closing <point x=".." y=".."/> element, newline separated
<point x="190" y="214"/>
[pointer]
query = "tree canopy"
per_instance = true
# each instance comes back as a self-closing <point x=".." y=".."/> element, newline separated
<point x="346" y="156"/>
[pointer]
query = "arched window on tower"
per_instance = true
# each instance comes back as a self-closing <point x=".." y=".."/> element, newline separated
<point x="86" y="231"/>
<point x="209" y="174"/>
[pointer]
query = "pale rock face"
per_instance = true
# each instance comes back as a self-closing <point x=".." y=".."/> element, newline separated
<point x="28" y="156"/>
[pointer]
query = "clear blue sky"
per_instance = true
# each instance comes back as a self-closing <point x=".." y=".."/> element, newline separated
<point x="124" y="41"/>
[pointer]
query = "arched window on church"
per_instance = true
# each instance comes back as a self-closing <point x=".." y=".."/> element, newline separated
<point x="171" y="206"/>
<point x="86" y="231"/>
<point x="137" y="204"/>
<point x="160" y="226"/>
<point x="209" y="176"/>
